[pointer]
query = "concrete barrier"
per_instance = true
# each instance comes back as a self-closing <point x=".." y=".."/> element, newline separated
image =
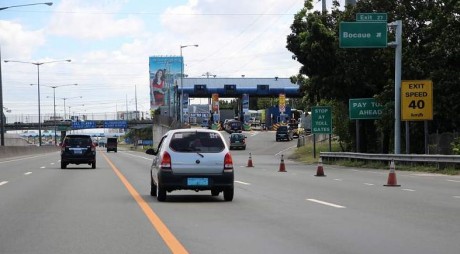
<point x="15" y="151"/>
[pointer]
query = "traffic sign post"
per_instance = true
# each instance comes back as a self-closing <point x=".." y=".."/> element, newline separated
<point x="321" y="123"/>
<point x="363" y="35"/>
<point x="366" y="108"/>
<point x="321" y="120"/>
<point x="371" y="17"/>
<point x="416" y="100"/>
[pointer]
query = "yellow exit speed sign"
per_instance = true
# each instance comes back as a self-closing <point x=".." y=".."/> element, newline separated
<point x="416" y="100"/>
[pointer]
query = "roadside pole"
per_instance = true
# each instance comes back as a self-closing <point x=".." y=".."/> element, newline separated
<point x="398" y="58"/>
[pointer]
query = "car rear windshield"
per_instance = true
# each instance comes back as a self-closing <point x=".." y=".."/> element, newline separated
<point x="282" y="128"/>
<point x="197" y="142"/>
<point x="78" y="141"/>
<point x="235" y="124"/>
<point x="237" y="137"/>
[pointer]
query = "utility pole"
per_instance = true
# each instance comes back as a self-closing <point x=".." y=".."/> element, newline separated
<point x="135" y="98"/>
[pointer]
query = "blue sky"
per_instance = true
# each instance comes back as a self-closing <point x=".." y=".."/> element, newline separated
<point x="110" y="41"/>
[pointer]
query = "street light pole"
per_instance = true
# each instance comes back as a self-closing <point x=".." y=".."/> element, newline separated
<point x="22" y="5"/>
<point x="38" y="84"/>
<point x="54" y="105"/>
<point x="2" y="122"/>
<point x="66" y="98"/>
<point x="181" y="113"/>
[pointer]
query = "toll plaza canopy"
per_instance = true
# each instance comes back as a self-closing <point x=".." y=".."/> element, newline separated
<point x="235" y="87"/>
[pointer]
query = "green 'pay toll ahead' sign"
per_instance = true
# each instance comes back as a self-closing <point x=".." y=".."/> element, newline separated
<point x="321" y="120"/>
<point x="367" y="108"/>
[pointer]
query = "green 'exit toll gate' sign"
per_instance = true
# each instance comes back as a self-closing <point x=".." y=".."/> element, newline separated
<point x="366" y="108"/>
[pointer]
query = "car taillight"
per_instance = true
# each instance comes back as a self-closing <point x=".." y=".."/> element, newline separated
<point x="93" y="148"/>
<point x="228" y="163"/>
<point x="165" y="163"/>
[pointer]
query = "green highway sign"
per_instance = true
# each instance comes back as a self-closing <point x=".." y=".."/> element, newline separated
<point x="371" y="17"/>
<point x="321" y="120"/>
<point x="363" y="35"/>
<point x="367" y="108"/>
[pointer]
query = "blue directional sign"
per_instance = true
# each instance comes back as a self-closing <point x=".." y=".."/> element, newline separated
<point x="84" y="125"/>
<point x="116" y="124"/>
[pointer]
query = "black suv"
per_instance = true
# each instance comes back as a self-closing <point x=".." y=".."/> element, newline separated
<point x="78" y="149"/>
<point x="234" y="126"/>
<point x="284" y="132"/>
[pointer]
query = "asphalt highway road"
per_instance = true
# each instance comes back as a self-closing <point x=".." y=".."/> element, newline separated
<point x="45" y="209"/>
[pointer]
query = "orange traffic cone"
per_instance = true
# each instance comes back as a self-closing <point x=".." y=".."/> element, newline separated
<point x="282" y="166"/>
<point x="319" y="169"/>
<point x="392" y="176"/>
<point x="250" y="162"/>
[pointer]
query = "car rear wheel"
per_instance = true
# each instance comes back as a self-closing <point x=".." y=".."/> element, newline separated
<point x="161" y="193"/>
<point x="93" y="165"/>
<point x="63" y="165"/>
<point x="228" y="194"/>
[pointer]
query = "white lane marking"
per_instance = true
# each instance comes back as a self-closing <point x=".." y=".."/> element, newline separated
<point x="42" y="167"/>
<point x="27" y="173"/>
<point x="325" y="203"/>
<point x="369" y="184"/>
<point x="3" y="183"/>
<point x="338" y="180"/>
<point x="407" y="190"/>
<point x="281" y="152"/>
<point x="455" y="181"/>
<point x="242" y="183"/>
<point x="456" y="196"/>
<point x="138" y="156"/>
<point x="52" y="163"/>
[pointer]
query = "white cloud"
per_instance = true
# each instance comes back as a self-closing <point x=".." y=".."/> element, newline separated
<point x="235" y="37"/>
<point x="95" y="21"/>
<point x="19" y="43"/>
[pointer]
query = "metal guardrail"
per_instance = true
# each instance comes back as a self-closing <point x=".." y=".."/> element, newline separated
<point x="429" y="158"/>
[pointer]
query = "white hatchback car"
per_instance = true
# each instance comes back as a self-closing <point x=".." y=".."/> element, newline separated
<point x="192" y="159"/>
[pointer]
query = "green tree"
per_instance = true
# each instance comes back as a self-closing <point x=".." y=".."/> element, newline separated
<point x="430" y="51"/>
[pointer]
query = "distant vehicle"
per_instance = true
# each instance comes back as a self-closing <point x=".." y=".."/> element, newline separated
<point x="284" y="132"/>
<point x="237" y="140"/>
<point x="192" y="159"/>
<point x="296" y="130"/>
<point x="205" y="123"/>
<point x="233" y="126"/>
<point x="111" y="144"/>
<point x="78" y="149"/>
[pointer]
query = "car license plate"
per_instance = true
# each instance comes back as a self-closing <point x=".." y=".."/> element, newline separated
<point x="77" y="151"/>
<point x="197" y="181"/>
<point x="237" y="142"/>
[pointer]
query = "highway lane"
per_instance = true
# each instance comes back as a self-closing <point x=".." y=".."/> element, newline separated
<point x="77" y="210"/>
<point x="348" y="211"/>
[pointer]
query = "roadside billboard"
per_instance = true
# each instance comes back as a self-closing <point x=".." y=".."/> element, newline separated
<point x="164" y="74"/>
<point x="245" y="100"/>
<point x="215" y="102"/>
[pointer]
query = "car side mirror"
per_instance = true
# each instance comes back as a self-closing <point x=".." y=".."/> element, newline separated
<point x="151" y="151"/>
